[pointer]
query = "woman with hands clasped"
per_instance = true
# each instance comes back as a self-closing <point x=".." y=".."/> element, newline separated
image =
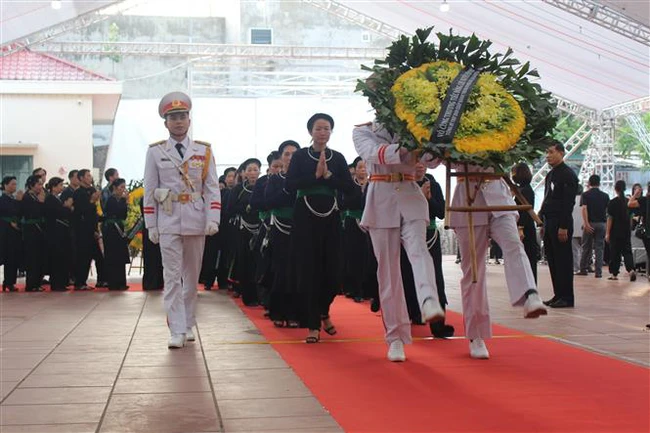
<point x="317" y="175"/>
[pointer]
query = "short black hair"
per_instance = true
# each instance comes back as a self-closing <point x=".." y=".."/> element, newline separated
<point x="317" y="116"/>
<point x="522" y="175"/>
<point x="6" y="181"/>
<point x="273" y="156"/>
<point x="81" y="173"/>
<point x="287" y="143"/>
<point x="72" y="173"/>
<point x="228" y="170"/>
<point x="620" y="186"/>
<point x="594" y="180"/>
<point x="109" y="173"/>
<point x="36" y="170"/>
<point x="54" y="181"/>
<point x="32" y="180"/>
<point x="556" y="144"/>
<point x="117" y="182"/>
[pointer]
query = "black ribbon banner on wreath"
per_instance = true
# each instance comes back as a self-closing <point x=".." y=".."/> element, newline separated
<point x="452" y="107"/>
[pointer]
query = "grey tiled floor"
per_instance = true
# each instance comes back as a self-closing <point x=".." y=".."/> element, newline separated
<point x="98" y="362"/>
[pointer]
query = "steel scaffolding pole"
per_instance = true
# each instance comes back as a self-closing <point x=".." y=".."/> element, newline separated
<point x="606" y="17"/>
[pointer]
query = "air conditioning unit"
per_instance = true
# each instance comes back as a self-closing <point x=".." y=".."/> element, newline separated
<point x="261" y="36"/>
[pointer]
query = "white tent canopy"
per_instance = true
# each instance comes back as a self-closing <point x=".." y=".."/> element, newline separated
<point x="576" y="59"/>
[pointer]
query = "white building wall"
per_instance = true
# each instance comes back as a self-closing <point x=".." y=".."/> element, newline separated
<point x="61" y="126"/>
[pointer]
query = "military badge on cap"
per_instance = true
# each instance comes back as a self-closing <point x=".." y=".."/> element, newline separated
<point x="175" y="102"/>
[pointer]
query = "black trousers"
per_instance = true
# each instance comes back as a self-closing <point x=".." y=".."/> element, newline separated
<point x="620" y="246"/>
<point x="283" y="303"/>
<point x="412" y="304"/>
<point x="35" y="255"/>
<point x="84" y="248"/>
<point x="531" y="247"/>
<point x="152" y="275"/>
<point x="13" y="248"/>
<point x="559" y="256"/>
<point x="210" y="257"/>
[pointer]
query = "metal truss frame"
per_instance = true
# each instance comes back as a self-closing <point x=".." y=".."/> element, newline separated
<point x="168" y="49"/>
<point x="81" y="21"/>
<point x="606" y="17"/>
<point x="367" y="22"/>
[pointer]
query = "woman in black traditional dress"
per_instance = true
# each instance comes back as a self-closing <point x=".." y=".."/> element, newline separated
<point x="283" y="305"/>
<point x="116" y="248"/>
<point x="32" y="210"/>
<point x="360" y="265"/>
<point x="248" y="224"/>
<point x="10" y="239"/>
<point x="522" y="176"/>
<point x="317" y="174"/>
<point x="58" y="234"/>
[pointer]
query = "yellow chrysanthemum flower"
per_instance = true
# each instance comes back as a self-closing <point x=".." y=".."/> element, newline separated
<point x="492" y="120"/>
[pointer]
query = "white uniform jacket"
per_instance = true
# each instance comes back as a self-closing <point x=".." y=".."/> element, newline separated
<point x="387" y="203"/>
<point x="160" y="172"/>
<point x="493" y="192"/>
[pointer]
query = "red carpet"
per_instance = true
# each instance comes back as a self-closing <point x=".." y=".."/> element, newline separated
<point x="529" y="385"/>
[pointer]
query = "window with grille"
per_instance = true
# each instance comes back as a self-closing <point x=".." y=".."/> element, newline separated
<point x="262" y="36"/>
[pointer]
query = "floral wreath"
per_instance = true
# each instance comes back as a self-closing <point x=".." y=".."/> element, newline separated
<point x="506" y="117"/>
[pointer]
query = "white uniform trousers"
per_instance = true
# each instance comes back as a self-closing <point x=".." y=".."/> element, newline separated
<point x="519" y="276"/>
<point x="181" y="257"/>
<point x="386" y="244"/>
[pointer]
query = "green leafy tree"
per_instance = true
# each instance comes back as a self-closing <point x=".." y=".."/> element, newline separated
<point x="627" y="142"/>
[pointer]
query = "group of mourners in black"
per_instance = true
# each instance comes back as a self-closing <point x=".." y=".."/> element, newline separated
<point x="291" y="241"/>
<point x="56" y="231"/>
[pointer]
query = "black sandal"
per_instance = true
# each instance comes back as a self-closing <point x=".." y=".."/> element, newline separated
<point x="312" y="339"/>
<point x="331" y="330"/>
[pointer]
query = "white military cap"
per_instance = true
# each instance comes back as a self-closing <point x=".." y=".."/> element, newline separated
<point x="174" y="102"/>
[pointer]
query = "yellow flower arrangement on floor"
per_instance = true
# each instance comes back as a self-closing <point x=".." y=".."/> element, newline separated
<point x="134" y="214"/>
<point x="505" y="117"/>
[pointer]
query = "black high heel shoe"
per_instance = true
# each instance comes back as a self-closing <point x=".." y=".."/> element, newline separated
<point x="9" y="288"/>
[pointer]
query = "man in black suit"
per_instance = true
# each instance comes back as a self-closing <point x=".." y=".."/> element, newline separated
<point x="559" y="197"/>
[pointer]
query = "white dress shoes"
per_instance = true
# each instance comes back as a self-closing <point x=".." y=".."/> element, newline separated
<point x="189" y="335"/>
<point x="534" y="307"/>
<point x="477" y="349"/>
<point x="432" y="311"/>
<point x="396" y="351"/>
<point x="176" y="341"/>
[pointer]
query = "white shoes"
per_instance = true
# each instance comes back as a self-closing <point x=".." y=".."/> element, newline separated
<point x="432" y="311"/>
<point x="189" y="335"/>
<point x="176" y="341"/>
<point x="396" y="351"/>
<point x="477" y="349"/>
<point x="534" y="307"/>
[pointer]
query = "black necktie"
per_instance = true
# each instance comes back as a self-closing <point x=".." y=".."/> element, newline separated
<point x="179" y="147"/>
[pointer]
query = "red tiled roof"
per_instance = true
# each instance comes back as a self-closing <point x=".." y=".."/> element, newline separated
<point x="30" y="65"/>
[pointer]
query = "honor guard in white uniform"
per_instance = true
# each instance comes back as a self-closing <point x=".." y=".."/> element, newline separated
<point x="501" y="226"/>
<point x="182" y="204"/>
<point x="396" y="212"/>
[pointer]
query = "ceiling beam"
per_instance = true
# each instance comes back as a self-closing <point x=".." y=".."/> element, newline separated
<point x="604" y="16"/>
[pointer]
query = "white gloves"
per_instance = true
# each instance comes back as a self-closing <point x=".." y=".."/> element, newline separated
<point x="154" y="236"/>
<point x="211" y="228"/>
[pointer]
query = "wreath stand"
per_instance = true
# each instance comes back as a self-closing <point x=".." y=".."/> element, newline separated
<point x="467" y="176"/>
